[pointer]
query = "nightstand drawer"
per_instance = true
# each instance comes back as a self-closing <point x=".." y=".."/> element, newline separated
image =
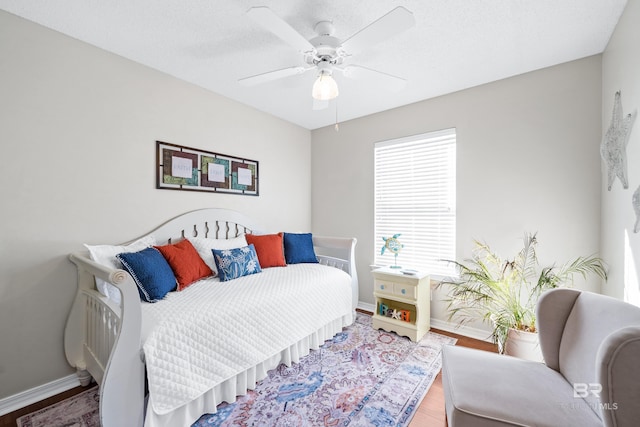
<point x="400" y="289"/>
<point x="383" y="286"/>
<point x="405" y="291"/>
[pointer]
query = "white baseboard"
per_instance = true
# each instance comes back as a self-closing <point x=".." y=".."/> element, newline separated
<point x="467" y="331"/>
<point x="366" y="306"/>
<point x="36" y="394"/>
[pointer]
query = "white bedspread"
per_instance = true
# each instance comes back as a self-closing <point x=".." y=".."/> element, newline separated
<point x="197" y="338"/>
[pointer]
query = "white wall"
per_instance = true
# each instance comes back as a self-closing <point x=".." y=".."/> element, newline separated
<point x="621" y="72"/>
<point x="527" y="157"/>
<point x="78" y="128"/>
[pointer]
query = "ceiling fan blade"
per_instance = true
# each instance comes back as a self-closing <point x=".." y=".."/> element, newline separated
<point x="320" y="105"/>
<point x="388" y="81"/>
<point x="394" y="22"/>
<point x="272" y="75"/>
<point x="273" y="23"/>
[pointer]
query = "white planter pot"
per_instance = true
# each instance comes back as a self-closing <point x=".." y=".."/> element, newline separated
<point x="524" y="345"/>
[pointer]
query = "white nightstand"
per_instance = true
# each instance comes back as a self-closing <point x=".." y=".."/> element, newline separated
<point x="406" y="296"/>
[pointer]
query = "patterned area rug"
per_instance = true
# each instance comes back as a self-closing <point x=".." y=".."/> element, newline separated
<point x="80" y="410"/>
<point x="362" y="377"/>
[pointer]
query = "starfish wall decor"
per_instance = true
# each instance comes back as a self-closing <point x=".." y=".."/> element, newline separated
<point x="613" y="148"/>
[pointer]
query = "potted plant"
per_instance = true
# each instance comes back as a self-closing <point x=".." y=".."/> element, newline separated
<point x="505" y="292"/>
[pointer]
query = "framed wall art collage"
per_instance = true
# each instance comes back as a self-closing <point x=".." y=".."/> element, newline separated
<point x="192" y="169"/>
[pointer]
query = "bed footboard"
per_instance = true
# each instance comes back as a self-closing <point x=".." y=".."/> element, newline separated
<point x="102" y="340"/>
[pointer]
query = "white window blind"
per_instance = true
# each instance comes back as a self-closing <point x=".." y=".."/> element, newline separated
<point x="415" y="196"/>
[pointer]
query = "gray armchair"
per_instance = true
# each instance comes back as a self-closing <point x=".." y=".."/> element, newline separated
<point x="591" y="374"/>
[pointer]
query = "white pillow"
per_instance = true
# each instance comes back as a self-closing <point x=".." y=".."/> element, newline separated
<point x="204" y="246"/>
<point x="106" y="256"/>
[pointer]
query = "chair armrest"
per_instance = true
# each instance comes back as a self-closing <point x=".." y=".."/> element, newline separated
<point x="618" y="374"/>
<point x="552" y="312"/>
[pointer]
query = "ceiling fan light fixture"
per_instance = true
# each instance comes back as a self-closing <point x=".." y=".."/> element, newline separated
<point x="325" y="87"/>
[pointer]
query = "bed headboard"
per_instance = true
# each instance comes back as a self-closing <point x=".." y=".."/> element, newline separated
<point x="213" y="223"/>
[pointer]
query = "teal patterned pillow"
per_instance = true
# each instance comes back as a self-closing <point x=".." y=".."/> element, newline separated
<point x="234" y="263"/>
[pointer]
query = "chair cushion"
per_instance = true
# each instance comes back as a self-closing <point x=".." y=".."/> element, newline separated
<point x="523" y="393"/>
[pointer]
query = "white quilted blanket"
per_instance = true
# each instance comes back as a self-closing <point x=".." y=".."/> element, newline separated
<point x="214" y="330"/>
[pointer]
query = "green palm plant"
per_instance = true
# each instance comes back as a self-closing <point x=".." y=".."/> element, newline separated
<point x="505" y="292"/>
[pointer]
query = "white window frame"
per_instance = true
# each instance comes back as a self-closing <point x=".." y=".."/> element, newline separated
<point x="422" y="211"/>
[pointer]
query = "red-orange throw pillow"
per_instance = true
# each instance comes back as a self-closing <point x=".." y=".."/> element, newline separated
<point x="270" y="249"/>
<point x="185" y="262"/>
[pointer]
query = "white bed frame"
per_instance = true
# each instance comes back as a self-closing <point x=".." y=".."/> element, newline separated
<point x="102" y="339"/>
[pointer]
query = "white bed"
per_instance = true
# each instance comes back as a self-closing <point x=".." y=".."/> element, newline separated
<point x="258" y="322"/>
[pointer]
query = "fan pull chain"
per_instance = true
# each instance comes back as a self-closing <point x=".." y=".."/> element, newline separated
<point x="336" y="127"/>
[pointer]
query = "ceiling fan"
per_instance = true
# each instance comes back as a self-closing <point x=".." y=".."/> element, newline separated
<point x="326" y="54"/>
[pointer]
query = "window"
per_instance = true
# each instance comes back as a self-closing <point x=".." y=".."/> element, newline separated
<point x="415" y="196"/>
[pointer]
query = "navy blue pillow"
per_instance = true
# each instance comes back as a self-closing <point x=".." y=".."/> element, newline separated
<point x="151" y="272"/>
<point x="298" y="248"/>
<point x="238" y="262"/>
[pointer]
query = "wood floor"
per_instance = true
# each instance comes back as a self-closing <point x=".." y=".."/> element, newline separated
<point x="429" y="413"/>
<point x="9" y="420"/>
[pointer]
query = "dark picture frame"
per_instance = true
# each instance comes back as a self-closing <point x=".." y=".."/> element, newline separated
<point x="191" y="169"/>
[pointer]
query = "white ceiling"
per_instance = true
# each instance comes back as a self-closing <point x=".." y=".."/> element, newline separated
<point x="455" y="44"/>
